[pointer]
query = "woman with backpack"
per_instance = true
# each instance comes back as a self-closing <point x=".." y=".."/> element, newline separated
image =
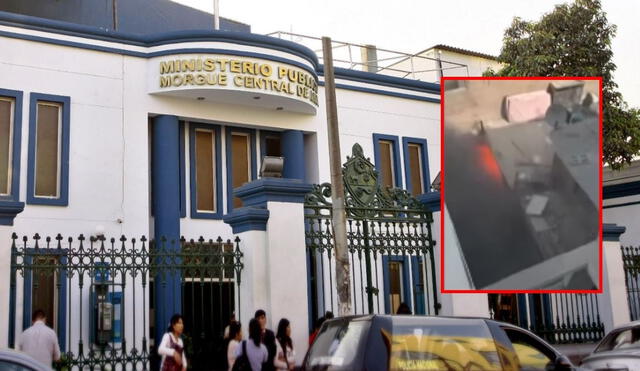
<point x="285" y="355"/>
<point x="171" y="347"/>
<point x="250" y="354"/>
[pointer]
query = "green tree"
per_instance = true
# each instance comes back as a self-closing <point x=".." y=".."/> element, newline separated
<point x="575" y="40"/>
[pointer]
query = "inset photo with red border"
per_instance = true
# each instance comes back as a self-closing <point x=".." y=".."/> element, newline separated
<point x="521" y="193"/>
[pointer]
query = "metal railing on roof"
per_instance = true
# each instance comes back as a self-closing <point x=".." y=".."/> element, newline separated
<point x="383" y="61"/>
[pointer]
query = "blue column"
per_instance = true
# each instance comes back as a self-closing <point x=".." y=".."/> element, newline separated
<point x="166" y="208"/>
<point x="292" y="142"/>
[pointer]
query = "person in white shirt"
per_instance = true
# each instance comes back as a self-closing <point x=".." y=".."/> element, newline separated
<point x="285" y="355"/>
<point x="235" y="336"/>
<point x="40" y="341"/>
<point x="171" y="347"/>
<point x="256" y="351"/>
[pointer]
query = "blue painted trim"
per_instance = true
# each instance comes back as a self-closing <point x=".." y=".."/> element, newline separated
<point x="132" y="53"/>
<point x="384" y="92"/>
<point x="229" y="159"/>
<point x="523" y="311"/>
<point x="63" y="199"/>
<point x="242" y="38"/>
<point x="27" y="291"/>
<point x="612" y="232"/>
<point x="425" y="162"/>
<point x="9" y="210"/>
<point x="14" y="195"/>
<point x="263" y="141"/>
<point x="166" y="203"/>
<point x="406" y="283"/>
<point x="418" y="286"/>
<point x="195" y="214"/>
<point x="263" y="190"/>
<point x="181" y="167"/>
<point x="384" y="80"/>
<point x="245" y="219"/>
<point x="396" y="155"/>
<point x="621" y="190"/>
<point x="621" y="205"/>
<point x="292" y="144"/>
<point x="431" y="200"/>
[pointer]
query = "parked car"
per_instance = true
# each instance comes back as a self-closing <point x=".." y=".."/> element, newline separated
<point x="11" y="360"/>
<point x="384" y="342"/>
<point x="618" y="351"/>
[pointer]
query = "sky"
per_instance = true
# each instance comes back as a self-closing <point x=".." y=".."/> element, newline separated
<point x="411" y="26"/>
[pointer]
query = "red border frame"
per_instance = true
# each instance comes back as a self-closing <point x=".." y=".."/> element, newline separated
<point x="442" y="190"/>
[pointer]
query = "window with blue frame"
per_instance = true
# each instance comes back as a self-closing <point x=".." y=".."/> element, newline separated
<point x="48" y="165"/>
<point x="416" y="165"/>
<point x="10" y="138"/>
<point x="270" y="144"/>
<point x="205" y="164"/>
<point x="387" y="160"/>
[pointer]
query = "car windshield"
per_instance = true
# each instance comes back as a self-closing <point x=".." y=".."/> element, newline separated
<point x="445" y="344"/>
<point x="623" y="339"/>
<point x="336" y="346"/>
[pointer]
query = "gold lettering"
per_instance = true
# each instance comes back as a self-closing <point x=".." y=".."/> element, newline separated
<point x="165" y="81"/>
<point x="293" y="75"/>
<point x="260" y="83"/>
<point x="223" y="64"/>
<point x="222" y="80"/>
<point x="266" y="70"/>
<point x="200" y="79"/>
<point x="237" y="80"/>
<point x="249" y="82"/>
<point x="211" y="78"/>
<point x="235" y="66"/>
<point x="166" y="67"/>
<point x="188" y="79"/>
<point x="209" y="64"/>
<point x="188" y="65"/>
<point x="177" y="80"/>
<point x="282" y="72"/>
<point x="248" y="67"/>
<point x="199" y="64"/>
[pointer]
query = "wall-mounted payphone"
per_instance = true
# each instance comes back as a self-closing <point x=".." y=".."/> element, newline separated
<point x="106" y="301"/>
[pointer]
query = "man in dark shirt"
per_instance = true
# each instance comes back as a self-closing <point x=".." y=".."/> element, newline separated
<point x="268" y="339"/>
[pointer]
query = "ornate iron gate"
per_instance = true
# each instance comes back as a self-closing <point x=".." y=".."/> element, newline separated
<point x="98" y="295"/>
<point x="391" y="250"/>
<point x="631" y="263"/>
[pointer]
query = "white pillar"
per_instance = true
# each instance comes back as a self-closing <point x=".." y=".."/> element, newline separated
<point x="613" y="302"/>
<point x="5" y="274"/>
<point x="8" y="212"/>
<point x="274" y="278"/>
<point x="287" y="271"/>
<point x="254" y="288"/>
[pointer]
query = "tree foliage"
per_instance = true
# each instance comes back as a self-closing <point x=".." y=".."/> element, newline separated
<point x="575" y="40"/>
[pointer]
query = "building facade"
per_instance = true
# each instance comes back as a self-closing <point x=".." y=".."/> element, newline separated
<point x="130" y="188"/>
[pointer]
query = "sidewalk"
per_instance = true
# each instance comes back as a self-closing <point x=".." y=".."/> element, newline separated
<point x="575" y="352"/>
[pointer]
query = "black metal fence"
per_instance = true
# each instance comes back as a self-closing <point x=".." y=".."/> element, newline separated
<point x="390" y="246"/>
<point x="631" y="263"/>
<point x="98" y="295"/>
<point x="574" y="318"/>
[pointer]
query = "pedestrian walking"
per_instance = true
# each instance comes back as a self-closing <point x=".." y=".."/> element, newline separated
<point x="268" y="338"/>
<point x="171" y="347"/>
<point x="235" y="337"/>
<point x="285" y="355"/>
<point x="232" y="319"/>
<point x="252" y="350"/>
<point x="40" y="341"/>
